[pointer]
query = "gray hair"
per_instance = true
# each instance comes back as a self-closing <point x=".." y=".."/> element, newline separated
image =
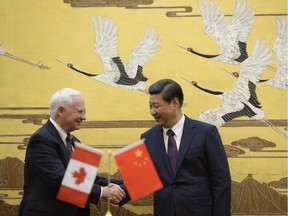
<point x="61" y="98"/>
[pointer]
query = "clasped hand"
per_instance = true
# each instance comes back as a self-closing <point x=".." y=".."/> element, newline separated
<point x="114" y="192"/>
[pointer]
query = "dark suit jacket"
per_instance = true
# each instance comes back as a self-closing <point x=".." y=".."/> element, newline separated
<point x="202" y="183"/>
<point x="45" y="164"/>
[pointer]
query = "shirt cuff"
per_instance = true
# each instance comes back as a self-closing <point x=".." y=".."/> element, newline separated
<point x="101" y="191"/>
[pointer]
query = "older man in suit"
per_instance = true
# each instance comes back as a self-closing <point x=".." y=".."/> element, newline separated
<point x="47" y="157"/>
<point x="190" y="158"/>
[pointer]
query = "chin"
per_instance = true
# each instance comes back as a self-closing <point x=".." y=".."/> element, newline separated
<point x="159" y="122"/>
<point x="77" y="127"/>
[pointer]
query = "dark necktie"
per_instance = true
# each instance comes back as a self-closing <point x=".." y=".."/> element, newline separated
<point x="172" y="150"/>
<point x="69" y="142"/>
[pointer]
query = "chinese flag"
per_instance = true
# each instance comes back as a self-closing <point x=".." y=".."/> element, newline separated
<point x="137" y="170"/>
<point x="80" y="175"/>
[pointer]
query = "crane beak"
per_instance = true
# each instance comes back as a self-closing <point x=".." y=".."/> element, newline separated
<point x="235" y="74"/>
<point x="229" y="72"/>
<point x="186" y="80"/>
<point x="2" y="50"/>
<point x="62" y="62"/>
<point x="181" y="46"/>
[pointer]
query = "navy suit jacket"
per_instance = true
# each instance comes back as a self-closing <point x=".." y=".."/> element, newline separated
<point x="202" y="183"/>
<point x="45" y="164"/>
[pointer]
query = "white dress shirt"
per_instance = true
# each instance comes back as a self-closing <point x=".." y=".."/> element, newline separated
<point x="61" y="132"/>
<point x="178" y="130"/>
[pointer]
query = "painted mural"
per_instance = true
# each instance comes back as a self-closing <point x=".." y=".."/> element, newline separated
<point x="230" y="57"/>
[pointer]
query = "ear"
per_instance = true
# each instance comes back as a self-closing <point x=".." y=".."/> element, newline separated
<point x="175" y="102"/>
<point x="60" y="111"/>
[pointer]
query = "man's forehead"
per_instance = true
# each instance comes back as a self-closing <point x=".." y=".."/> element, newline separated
<point x="155" y="98"/>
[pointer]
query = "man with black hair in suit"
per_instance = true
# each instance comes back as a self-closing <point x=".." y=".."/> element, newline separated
<point x="191" y="161"/>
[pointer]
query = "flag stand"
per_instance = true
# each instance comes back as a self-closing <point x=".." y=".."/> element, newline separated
<point x="108" y="213"/>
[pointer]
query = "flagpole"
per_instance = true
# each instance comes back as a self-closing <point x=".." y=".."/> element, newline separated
<point x="108" y="213"/>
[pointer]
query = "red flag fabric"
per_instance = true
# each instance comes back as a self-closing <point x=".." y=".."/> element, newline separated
<point x="137" y="170"/>
<point x="80" y="175"/>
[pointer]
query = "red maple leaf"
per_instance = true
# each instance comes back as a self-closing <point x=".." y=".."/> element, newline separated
<point x="79" y="175"/>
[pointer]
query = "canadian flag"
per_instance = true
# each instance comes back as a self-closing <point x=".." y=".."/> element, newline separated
<point x="80" y="175"/>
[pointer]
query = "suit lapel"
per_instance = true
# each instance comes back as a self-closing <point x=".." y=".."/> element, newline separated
<point x="55" y="133"/>
<point x="161" y="150"/>
<point x="187" y="137"/>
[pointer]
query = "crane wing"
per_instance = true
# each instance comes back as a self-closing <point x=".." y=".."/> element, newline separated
<point x="214" y="23"/>
<point x="228" y="111"/>
<point x="242" y="20"/>
<point x="281" y="51"/>
<point x="252" y="68"/>
<point x="215" y="116"/>
<point x="241" y="99"/>
<point x="141" y="54"/>
<point x="212" y="117"/>
<point x="105" y="42"/>
<point x="280" y="46"/>
<point x="244" y="90"/>
<point x="231" y="38"/>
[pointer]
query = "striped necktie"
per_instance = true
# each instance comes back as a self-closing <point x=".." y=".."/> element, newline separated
<point x="69" y="142"/>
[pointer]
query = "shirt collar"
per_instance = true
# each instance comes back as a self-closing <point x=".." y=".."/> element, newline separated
<point x="61" y="132"/>
<point x="178" y="127"/>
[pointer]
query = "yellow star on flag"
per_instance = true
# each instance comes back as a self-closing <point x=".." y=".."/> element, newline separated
<point x="134" y="162"/>
<point x="138" y="153"/>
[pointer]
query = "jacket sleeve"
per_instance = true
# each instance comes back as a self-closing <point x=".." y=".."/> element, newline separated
<point x="42" y="156"/>
<point x="127" y="197"/>
<point x="219" y="171"/>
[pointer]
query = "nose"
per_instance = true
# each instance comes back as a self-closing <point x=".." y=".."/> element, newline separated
<point x="83" y="116"/>
<point x="152" y="111"/>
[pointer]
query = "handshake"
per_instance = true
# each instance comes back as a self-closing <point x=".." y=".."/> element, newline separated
<point x="113" y="192"/>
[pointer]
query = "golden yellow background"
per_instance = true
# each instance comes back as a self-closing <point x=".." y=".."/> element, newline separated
<point x="45" y="30"/>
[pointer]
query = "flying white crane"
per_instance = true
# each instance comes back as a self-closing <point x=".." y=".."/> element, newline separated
<point x="130" y="75"/>
<point x="241" y="99"/>
<point x="232" y="37"/>
<point x="280" y="49"/>
<point x="3" y="52"/>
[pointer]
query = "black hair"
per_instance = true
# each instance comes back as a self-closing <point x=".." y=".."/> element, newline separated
<point x="169" y="89"/>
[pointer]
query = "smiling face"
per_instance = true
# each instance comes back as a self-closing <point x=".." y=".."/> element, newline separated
<point x="71" y="116"/>
<point x="166" y="114"/>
